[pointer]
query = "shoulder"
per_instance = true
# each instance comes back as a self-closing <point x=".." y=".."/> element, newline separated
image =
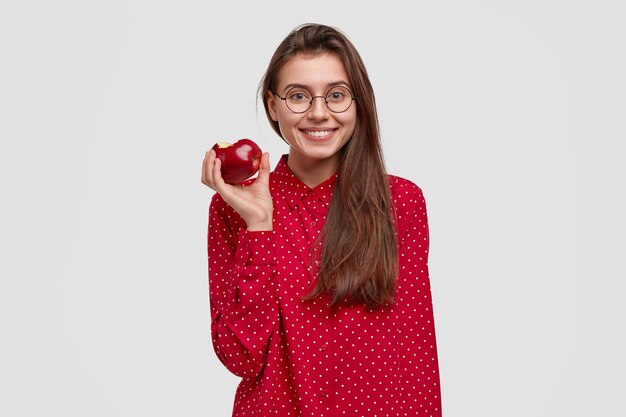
<point x="408" y="202"/>
<point x="405" y="193"/>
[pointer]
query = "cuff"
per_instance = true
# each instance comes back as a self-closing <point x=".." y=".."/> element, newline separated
<point x="256" y="247"/>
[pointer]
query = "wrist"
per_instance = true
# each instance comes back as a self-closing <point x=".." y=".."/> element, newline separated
<point x="259" y="225"/>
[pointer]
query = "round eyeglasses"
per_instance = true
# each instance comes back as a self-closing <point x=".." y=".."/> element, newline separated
<point x="299" y="99"/>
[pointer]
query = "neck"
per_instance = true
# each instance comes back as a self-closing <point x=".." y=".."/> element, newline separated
<point x="312" y="172"/>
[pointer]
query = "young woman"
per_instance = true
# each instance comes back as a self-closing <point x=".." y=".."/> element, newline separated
<point x="318" y="277"/>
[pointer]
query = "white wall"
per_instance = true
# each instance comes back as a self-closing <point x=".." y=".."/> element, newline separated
<point x="509" y="115"/>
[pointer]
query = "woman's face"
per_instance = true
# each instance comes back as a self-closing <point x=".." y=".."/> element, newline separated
<point x="318" y="134"/>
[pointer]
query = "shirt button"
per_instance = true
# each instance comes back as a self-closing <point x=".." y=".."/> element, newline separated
<point x="324" y="393"/>
<point x="323" y="347"/>
<point x="313" y="224"/>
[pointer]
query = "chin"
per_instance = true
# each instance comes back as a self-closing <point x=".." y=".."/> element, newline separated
<point x="323" y="153"/>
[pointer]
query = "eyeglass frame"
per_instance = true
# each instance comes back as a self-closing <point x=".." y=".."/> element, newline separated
<point x="313" y="98"/>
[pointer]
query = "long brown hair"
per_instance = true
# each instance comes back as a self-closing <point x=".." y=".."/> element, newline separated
<point x="359" y="259"/>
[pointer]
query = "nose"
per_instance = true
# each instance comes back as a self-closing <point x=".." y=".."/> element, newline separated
<point x="318" y="109"/>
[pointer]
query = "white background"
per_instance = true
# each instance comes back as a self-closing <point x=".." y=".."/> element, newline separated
<point x="509" y="115"/>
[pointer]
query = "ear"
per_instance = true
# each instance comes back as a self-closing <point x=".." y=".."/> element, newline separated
<point x="271" y="105"/>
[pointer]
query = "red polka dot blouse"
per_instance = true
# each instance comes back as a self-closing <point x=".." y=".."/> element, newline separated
<point x="300" y="358"/>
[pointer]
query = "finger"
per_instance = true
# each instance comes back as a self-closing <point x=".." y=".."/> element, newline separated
<point x="210" y="170"/>
<point x="264" y="168"/>
<point x="218" y="182"/>
<point x="203" y="175"/>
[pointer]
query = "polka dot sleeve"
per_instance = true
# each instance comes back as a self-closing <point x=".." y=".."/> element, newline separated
<point x="244" y="307"/>
<point x="420" y="371"/>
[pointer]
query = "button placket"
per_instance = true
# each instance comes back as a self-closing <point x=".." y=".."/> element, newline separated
<point x="327" y="374"/>
<point x="311" y="214"/>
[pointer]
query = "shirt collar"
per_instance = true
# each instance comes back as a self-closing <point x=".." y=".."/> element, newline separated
<point x="295" y="190"/>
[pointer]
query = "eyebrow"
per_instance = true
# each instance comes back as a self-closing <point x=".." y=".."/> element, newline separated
<point x="329" y="85"/>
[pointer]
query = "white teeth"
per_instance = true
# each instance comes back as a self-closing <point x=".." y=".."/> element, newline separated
<point x="318" y="133"/>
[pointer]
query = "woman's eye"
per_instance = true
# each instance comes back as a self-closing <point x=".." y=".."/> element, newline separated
<point x="336" y="96"/>
<point x="298" y="96"/>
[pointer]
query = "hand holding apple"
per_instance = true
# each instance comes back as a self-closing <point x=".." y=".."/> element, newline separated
<point x="254" y="201"/>
<point x="239" y="161"/>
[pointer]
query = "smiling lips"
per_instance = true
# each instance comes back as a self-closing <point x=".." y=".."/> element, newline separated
<point x="318" y="133"/>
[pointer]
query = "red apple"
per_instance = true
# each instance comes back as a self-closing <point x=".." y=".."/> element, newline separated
<point x="240" y="160"/>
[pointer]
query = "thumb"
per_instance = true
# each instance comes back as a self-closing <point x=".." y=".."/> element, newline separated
<point x="264" y="168"/>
